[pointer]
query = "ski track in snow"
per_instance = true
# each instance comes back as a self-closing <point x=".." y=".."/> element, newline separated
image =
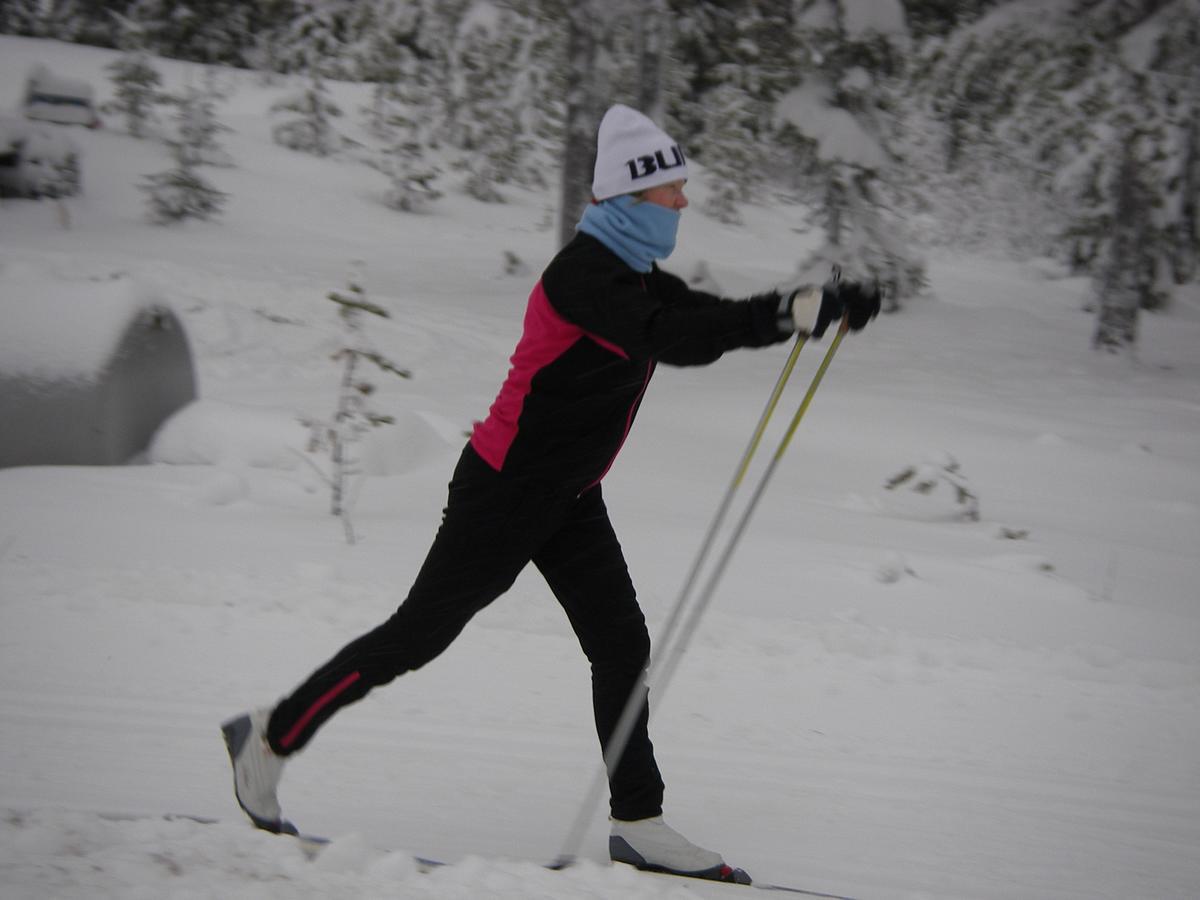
<point x="883" y="702"/>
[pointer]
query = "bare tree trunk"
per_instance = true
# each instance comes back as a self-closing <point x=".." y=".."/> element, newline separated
<point x="650" y="29"/>
<point x="1187" y="255"/>
<point x="835" y="206"/>
<point x="579" y="147"/>
<point x="1120" y="281"/>
<point x="339" y="453"/>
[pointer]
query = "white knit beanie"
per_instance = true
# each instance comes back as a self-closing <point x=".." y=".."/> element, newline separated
<point x="632" y="154"/>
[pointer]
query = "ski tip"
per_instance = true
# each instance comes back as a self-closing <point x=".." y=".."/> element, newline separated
<point x="563" y="862"/>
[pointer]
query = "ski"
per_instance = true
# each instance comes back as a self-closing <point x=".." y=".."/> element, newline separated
<point x="313" y="844"/>
<point x="722" y="874"/>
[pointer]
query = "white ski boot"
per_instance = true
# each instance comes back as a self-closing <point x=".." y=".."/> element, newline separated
<point x="653" y="845"/>
<point x="256" y="770"/>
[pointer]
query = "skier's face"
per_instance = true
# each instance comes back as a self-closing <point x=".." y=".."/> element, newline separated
<point x="669" y="195"/>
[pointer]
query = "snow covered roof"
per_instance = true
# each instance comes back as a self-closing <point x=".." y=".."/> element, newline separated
<point x="44" y="82"/>
<point x="67" y="330"/>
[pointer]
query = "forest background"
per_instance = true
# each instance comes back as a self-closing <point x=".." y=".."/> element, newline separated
<point x="1061" y="128"/>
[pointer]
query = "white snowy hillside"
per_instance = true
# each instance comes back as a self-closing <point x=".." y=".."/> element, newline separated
<point x="888" y="699"/>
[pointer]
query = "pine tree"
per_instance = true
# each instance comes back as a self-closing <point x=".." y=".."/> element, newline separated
<point x="27" y="18"/>
<point x="310" y="130"/>
<point x="483" y="128"/>
<point x="181" y="193"/>
<point x="198" y="127"/>
<point x="839" y="118"/>
<point x="412" y="178"/>
<point x="318" y="36"/>
<point x="730" y="152"/>
<point x="1174" y="74"/>
<point x="136" y="87"/>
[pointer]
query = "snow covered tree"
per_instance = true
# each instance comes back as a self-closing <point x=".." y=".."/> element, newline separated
<point x="732" y="153"/>
<point x="1173" y="73"/>
<point x="486" y="127"/>
<point x="1127" y="272"/>
<point x="319" y="35"/>
<point x="1029" y="112"/>
<point x="354" y="414"/>
<point x="582" y="113"/>
<point x="413" y="186"/>
<point x="490" y="87"/>
<point x="136" y="86"/>
<point x="181" y="193"/>
<point x="651" y="40"/>
<point x="736" y="77"/>
<point x="412" y="177"/>
<point x="28" y="18"/>
<point x="216" y="31"/>
<point x="310" y="130"/>
<point x="198" y="127"/>
<point x="835" y="118"/>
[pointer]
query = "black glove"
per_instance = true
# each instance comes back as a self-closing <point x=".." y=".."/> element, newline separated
<point x="839" y="298"/>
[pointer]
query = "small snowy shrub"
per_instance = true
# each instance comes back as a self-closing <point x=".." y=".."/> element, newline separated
<point x="514" y="265"/>
<point x="412" y="188"/>
<point x="181" y="193"/>
<point x="943" y="471"/>
<point x="136" y="91"/>
<point x="310" y="129"/>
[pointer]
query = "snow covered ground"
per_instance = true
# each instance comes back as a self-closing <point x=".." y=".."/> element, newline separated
<point x="883" y="702"/>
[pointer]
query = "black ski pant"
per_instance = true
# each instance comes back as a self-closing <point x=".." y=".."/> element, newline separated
<point x="493" y="525"/>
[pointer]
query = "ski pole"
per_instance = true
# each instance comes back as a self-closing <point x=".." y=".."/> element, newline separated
<point x="635" y="703"/>
<point x="675" y="654"/>
<point x="638" y="698"/>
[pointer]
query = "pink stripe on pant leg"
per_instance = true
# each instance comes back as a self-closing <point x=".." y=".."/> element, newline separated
<point x="322" y="701"/>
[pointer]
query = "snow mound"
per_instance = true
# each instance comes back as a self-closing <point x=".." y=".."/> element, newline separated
<point x="212" y="433"/>
<point x="91" y="854"/>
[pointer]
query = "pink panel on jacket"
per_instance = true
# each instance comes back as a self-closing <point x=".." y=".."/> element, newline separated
<point x="546" y="337"/>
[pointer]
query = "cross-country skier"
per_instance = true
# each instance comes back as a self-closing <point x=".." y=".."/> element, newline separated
<point x="527" y="487"/>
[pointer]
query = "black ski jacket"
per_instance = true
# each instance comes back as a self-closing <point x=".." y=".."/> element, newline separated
<point x="594" y="330"/>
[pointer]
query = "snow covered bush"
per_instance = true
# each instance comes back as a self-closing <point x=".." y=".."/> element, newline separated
<point x="198" y="127"/>
<point x="37" y="161"/>
<point x="837" y="122"/>
<point x="412" y="188"/>
<point x="180" y="193"/>
<point x="941" y="470"/>
<point x="310" y="129"/>
<point x="136" y="87"/>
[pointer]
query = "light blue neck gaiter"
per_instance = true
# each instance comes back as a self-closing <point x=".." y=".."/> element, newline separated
<point x="637" y="231"/>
